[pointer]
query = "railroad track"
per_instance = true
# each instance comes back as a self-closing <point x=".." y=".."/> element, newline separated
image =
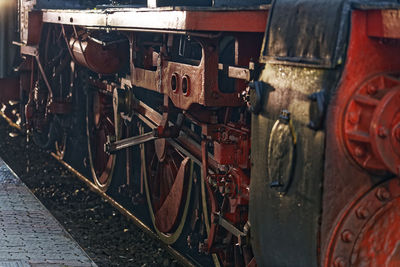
<point x="182" y="259"/>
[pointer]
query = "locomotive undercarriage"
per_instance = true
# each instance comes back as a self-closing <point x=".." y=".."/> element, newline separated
<point x="156" y="117"/>
<point x="162" y="107"/>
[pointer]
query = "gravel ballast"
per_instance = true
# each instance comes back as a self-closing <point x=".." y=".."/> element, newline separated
<point x="108" y="237"/>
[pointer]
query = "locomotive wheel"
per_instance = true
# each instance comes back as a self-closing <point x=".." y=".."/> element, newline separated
<point x="225" y="245"/>
<point x="48" y="131"/>
<point x="368" y="233"/>
<point x="168" y="183"/>
<point x="60" y="145"/>
<point x="207" y="215"/>
<point x="60" y="137"/>
<point x="100" y="125"/>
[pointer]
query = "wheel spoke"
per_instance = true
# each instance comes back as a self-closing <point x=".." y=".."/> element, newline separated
<point x="168" y="190"/>
<point x="100" y="126"/>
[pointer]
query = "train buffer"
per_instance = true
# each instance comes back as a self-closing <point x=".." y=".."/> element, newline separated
<point x="29" y="234"/>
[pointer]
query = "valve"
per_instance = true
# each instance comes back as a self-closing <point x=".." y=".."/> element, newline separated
<point x="371" y="125"/>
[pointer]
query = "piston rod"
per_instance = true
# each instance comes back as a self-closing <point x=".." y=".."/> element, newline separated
<point x="113" y="147"/>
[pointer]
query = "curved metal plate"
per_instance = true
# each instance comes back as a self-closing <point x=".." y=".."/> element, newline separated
<point x="281" y="149"/>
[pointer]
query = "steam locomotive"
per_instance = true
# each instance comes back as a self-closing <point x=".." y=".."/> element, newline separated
<point x="243" y="133"/>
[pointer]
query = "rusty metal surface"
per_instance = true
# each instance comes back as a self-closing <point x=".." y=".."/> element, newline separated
<point x="287" y="224"/>
<point x="29" y="234"/>
<point x="235" y="21"/>
<point x="367" y="234"/>
<point x="307" y="37"/>
<point x="345" y="181"/>
<point x="369" y="124"/>
<point x="191" y="84"/>
<point x="24" y="9"/>
<point x="181" y="258"/>
<point x="383" y="23"/>
<point x="9" y="89"/>
<point x="8" y="33"/>
<point x="104" y="59"/>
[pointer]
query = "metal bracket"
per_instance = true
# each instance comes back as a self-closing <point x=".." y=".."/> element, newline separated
<point x="228" y="226"/>
<point x="317" y="110"/>
<point x="258" y="94"/>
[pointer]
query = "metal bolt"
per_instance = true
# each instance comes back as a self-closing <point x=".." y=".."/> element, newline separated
<point x="359" y="152"/>
<point x="339" y="262"/>
<point x="382" y="194"/>
<point x="203" y="246"/>
<point x="362" y="213"/>
<point x="347" y="236"/>
<point x="371" y="89"/>
<point x="382" y="132"/>
<point x="285" y="116"/>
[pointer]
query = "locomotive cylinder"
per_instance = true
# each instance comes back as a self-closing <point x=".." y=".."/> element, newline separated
<point x="101" y="57"/>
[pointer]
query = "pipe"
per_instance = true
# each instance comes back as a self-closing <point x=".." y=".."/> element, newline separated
<point x="101" y="59"/>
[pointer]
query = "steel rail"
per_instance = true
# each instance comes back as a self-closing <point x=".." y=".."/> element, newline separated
<point x="10" y="122"/>
<point x="174" y="253"/>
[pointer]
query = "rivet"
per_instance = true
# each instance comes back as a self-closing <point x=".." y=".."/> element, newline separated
<point x="339" y="262"/>
<point x="362" y="213"/>
<point x="382" y="132"/>
<point x="371" y="89"/>
<point x="382" y="194"/>
<point x="347" y="236"/>
<point x="359" y="152"/>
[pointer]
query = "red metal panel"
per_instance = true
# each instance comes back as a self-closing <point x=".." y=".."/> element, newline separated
<point x="96" y="57"/>
<point x="235" y="21"/>
<point x="201" y="81"/>
<point x="383" y="23"/>
<point x="346" y="182"/>
<point x="9" y="89"/>
<point x="34" y="27"/>
<point x="242" y="21"/>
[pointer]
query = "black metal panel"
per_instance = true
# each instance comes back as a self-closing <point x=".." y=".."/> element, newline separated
<point x="285" y="206"/>
<point x="369" y="5"/>
<point x="240" y="3"/>
<point x="8" y="33"/>
<point x="214" y="3"/>
<point x="84" y="4"/>
<point x="307" y="32"/>
<point x="160" y="3"/>
<point x="70" y="4"/>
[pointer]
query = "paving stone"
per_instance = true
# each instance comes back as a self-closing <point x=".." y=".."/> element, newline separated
<point x="29" y="234"/>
